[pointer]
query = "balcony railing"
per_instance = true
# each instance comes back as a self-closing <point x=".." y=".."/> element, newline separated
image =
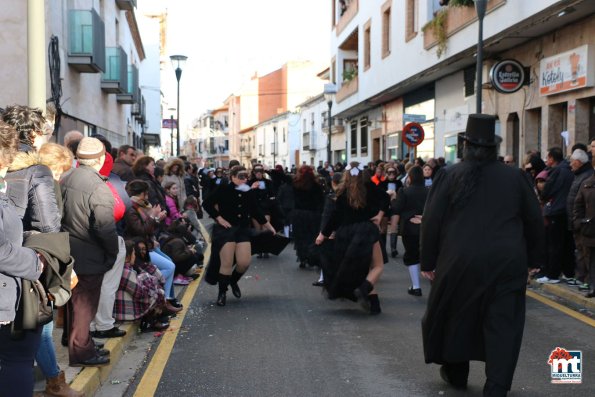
<point x="347" y="89"/>
<point x="115" y="78"/>
<point x="86" y="41"/>
<point x="131" y="95"/>
<point x="348" y="15"/>
<point x="126" y="4"/>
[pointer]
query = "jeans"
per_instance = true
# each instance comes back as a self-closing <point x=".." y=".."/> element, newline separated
<point x="46" y="354"/>
<point x="16" y="362"/>
<point x="167" y="268"/>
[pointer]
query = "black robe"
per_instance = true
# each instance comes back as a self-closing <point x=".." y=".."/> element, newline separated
<point x="480" y="253"/>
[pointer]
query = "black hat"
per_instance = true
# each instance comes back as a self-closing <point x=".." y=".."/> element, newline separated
<point x="481" y="130"/>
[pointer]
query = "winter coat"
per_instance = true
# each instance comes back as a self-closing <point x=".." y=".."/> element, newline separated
<point x="123" y="170"/>
<point x="580" y="176"/>
<point x="556" y="189"/>
<point x="173" y="212"/>
<point x="16" y="262"/>
<point x="584" y="212"/>
<point x="30" y="188"/>
<point x="156" y="191"/>
<point x="55" y="248"/>
<point x="177" y="179"/>
<point x="191" y="185"/>
<point x="89" y="218"/>
<point x="478" y="251"/>
<point x="139" y="223"/>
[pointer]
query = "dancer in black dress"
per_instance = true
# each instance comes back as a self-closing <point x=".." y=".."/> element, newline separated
<point x="265" y="197"/>
<point x="358" y="261"/>
<point x="391" y="185"/>
<point x="408" y="208"/>
<point x="232" y="206"/>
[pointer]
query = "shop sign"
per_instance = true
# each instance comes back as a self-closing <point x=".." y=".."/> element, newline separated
<point x="507" y="76"/>
<point x="567" y="71"/>
<point x="169" y="123"/>
<point x="413" y="134"/>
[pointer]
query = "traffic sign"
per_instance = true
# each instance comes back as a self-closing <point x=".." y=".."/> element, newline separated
<point x="413" y="134"/>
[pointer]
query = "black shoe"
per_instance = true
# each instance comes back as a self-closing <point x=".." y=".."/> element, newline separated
<point x="318" y="284"/>
<point x="99" y="345"/>
<point x="153" y="325"/>
<point x="491" y="389"/>
<point x="221" y="299"/>
<point x="97" y="361"/>
<point x="235" y="290"/>
<point x="175" y="303"/>
<point x="102" y="352"/>
<point x="374" y="304"/>
<point x="455" y="374"/>
<point x="115" y="332"/>
<point x="362" y="294"/>
<point x="414" y="291"/>
<point x="394" y="254"/>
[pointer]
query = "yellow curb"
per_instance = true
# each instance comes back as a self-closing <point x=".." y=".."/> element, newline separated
<point x="564" y="293"/>
<point x="152" y="376"/>
<point x="90" y="379"/>
<point x="563" y="309"/>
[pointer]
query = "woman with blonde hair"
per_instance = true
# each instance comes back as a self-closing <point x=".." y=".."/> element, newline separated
<point x="358" y="264"/>
<point x="174" y="172"/>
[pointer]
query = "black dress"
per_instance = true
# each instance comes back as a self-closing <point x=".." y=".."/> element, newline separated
<point x="308" y="205"/>
<point x="355" y="236"/>
<point x="237" y="208"/>
<point x="410" y="202"/>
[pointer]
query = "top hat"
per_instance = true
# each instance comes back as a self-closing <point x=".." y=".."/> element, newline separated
<point x="481" y="130"/>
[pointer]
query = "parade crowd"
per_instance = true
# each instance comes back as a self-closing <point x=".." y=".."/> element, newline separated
<point x="105" y="233"/>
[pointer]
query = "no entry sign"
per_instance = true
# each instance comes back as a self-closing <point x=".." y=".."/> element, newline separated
<point x="413" y="134"/>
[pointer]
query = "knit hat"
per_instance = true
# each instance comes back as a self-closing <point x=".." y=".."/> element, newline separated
<point x="90" y="148"/>
<point x="542" y="175"/>
<point x="580" y="155"/>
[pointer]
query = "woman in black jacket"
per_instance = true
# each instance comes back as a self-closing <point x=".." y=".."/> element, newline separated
<point x="232" y="206"/>
<point x="143" y="169"/>
<point x="358" y="264"/>
<point x="408" y="207"/>
<point x="265" y="198"/>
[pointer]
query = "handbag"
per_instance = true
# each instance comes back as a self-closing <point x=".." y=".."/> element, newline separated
<point x="36" y="307"/>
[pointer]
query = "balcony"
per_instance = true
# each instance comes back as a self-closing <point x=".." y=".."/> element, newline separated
<point x="139" y="109"/>
<point x="337" y="127"/>
<point x="86" y="41"/>
<point x="131" y="95"/>
<point x="348" y="15"/>
<point x="348" y="88"/>
<point x="115" y="77"/>
<point x="456" y="19"/>
<point x="128" y="5"/>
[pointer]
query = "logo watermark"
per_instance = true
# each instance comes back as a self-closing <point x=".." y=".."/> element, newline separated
<point x="566" y="365"/>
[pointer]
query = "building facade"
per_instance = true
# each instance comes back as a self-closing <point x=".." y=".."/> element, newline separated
<point x="400" y="61"/>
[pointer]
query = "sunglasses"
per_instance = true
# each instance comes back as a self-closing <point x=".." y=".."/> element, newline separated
<point x="391" y="172"/>
<point x="242" y="176"/>
<point x="256" y="171"/>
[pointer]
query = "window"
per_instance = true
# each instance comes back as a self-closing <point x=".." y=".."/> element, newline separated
<point x="367" y="44"/>
<point x="411" y="21"/>
<point x="364" y="135"/>
<point x="304" y="126"/>
<point x="284" y="135"/>
<point x="386" y="28"/>
<point x="354" y="138"/>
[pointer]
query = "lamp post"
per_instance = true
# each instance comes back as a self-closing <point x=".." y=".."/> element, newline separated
<point x="171" y="126"/>
<point x="330" y="90"/>
<point x="274" y="145"/>
<point x="480" y="7"/>
<point x="177" y="62"/>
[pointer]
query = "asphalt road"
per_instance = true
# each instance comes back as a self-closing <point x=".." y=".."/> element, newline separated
<point x="283" y="338"/>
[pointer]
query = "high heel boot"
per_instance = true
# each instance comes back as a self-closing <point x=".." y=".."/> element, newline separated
<point x="223" y="283"/>
<point x="235" y="289"/>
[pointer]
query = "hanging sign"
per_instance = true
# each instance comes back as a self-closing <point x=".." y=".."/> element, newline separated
<point x="567" y="71"/>
<point x="413" y="134"/>
<point x="507" y="76"/>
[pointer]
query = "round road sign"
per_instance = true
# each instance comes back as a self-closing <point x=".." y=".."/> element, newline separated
<point x="413" y="134"/>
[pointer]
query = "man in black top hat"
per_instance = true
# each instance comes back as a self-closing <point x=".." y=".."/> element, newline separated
<point x="481" y="231"/>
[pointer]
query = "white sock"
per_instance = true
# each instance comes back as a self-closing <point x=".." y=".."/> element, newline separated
<point x="286" y="231"/>
<point x="321" y="278"/>
<point x="414" y="275"/>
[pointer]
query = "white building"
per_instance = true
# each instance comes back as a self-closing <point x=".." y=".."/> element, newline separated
<point x="277" y="140"/>
<point x="386" y="65"/>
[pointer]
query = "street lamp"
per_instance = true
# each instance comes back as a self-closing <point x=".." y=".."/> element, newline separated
<point x="274" y="145"/>
<point x="330" y="90"/>
<point x="480" y="7"/>
<point x="171" y="126"/>
<point x="177" y="62"/>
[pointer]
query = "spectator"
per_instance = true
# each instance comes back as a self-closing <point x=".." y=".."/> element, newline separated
<point x="193" y="212"/>
<point x="71" y="141"/>
<point x="509" y="160"/>
<point x="174" y="172"/>
<point x="144" y="168"/>
<point x="88" y="217"/>
<point x="584" y="224"/>
<point x="191" y="182"/>
<point x="172" y="190"/>
<point x="123" y="164"/>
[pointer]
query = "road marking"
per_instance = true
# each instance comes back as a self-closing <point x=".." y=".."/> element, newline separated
<point x="152" y="376"/>
<point x="563" y="309"/>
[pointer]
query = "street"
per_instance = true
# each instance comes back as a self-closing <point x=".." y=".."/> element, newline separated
<point x="283" y="338"/>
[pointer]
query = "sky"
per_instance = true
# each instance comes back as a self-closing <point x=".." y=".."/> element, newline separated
<point x="227" y="41"/>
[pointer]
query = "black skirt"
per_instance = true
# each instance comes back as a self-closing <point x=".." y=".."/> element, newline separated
<point x="219" y="237"/>
<point x="411" y="243"/>
<point x="306" y="226"/>
<point x="352" y="258"/>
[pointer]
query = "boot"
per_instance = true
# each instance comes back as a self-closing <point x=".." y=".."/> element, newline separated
<point x="374" y="304"/>
<point x="58" y="387"/>
<point x="383" y="248"/>
<point x="235" y="289"/>
<point x="491" y="389"/>
<point x="223" y="283"/>
<point x="362" y="294"/>
<point x="393" y="245"/>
